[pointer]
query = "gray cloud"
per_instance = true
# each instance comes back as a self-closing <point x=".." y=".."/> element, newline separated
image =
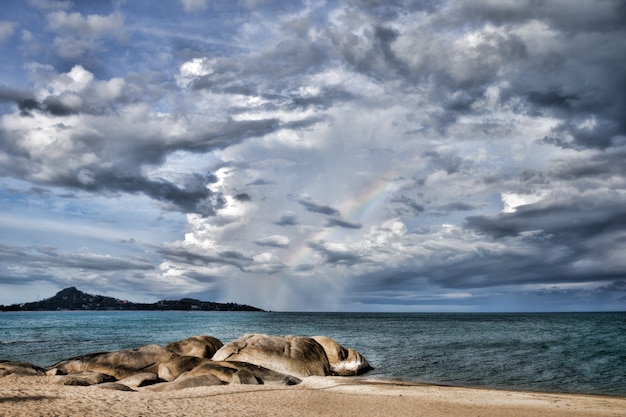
<point x="287" y="219"/>
<point x="227" y="257"/>
<point x="316" y="207"/>
<point x="335" y="256"/>
<point x="277" y="241"/>
<point x="492" y="134"/>
<point x="40" y="262"/>
<point x="409" y="202"/>
<point x="333" y="221"/>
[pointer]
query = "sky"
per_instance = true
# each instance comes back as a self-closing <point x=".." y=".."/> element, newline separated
<point x="348" y="155"/>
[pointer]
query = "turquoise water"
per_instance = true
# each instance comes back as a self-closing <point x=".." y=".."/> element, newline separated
<point x="576" y="353"/>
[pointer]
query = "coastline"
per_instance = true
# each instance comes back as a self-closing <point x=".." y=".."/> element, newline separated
<point x="327" y="396"/>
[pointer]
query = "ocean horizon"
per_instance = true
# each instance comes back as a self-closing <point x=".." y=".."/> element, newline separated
<point x="582" y="353"/>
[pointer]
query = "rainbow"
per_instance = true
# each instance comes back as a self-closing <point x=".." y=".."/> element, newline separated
<point x="365" y="204"/>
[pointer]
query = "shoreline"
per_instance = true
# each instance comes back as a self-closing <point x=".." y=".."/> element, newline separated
<point x="328" y="396"/>
<point x="410" y="382"/>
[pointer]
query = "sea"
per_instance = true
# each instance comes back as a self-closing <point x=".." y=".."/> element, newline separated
<point x="548" y="352"/>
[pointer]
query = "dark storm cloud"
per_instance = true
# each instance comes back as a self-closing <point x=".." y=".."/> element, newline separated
<point x="287" y="219"/>
<point x="335" y="256"/>
<point x="573" y="242"/>
<point x="23" y="99"/>
<point x="242" y="197"/>
<point x="448" y="161"/>
<point x="129" y="156"/>
<point x="408" y="202"/>
<point x="43" y="258"/>
<point x="325" y="99"/>
<point x="232" y="258"/>
<point x="386" y="10"/>
<point x="12" y="95"/>
<point x="544" y="81"/>
<point x="195" y="197"/>
<point x="333" y="221"/>
<point x="457" y="206"/>
<point x="573" y="222"/>
<point x="586" y="16"/>
<point x="601" y="166"/>
<point x="315" y="207"/>
<point x="200" y="277"/>
<point x="260" y="181"/>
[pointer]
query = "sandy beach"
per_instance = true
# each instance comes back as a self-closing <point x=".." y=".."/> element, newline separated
<point x="315" y="396"/>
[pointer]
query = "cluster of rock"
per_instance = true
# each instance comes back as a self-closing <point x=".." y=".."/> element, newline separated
<point x="202" y="361"/>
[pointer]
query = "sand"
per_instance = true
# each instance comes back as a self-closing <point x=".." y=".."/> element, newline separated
<point x="315" y="396"/>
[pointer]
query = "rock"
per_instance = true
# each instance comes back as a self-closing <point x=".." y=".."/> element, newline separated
<point x="83" y="379"/>
<point x="200" y="346"/>
<point x="292" y="355"/>
<point x="119" y="364"/>
<point x="171" y="369"/>
<point x="244" y="377"/>
<point x="185" y="381"/>
<point x="54" y="372"/>
<point x="141" y="379"/>
<point x="20" y="369"/>
<point x="227" y="372"/>
<point x="114" y="386"/>
<point x="224" y="371"/>
<point x="264" y="375"/>
<point x="343" y="362"/>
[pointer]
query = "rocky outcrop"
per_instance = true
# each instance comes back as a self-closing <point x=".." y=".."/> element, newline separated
<point x="235" y="372"/>
<point x="187" y="382"/>
<point x="172" y="368"/>
<point x="200" y="346"/>
<point x="343" y="362"/>
<point x="20" y="368"/>
<point x="252" y="359"/>
<point x="292" y="355"/>
<point x="120" y="364"/>
<point x="141" y="379"/>
<point x="83" y="379"/>
<point x="116" y="386"/>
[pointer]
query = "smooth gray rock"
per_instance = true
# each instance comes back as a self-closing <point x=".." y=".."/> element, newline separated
<point x="20" y="368"/>
<point x="200" y="346"/>
<point x="119" y="364"/>
<point x="292" y="355"/>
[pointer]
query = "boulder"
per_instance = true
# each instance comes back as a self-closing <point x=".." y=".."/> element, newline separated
<point x="171" y="369"/>
<point x="141" y="379"/>
<point x="292" y="355"/>
<point x="116" y="386"/>
<point x="200" y="346"/>
<point x="119" y="364"/>
<point x="20" y="368"/>
<point x="343" y="362"/>
<point x="83" y="379"/>
<point x="185" y="381"/>
<point x="244" y="377"/>
<point x="227" y="372"/>
<point x="224" y="371"/>
<point x="264" y="375"/>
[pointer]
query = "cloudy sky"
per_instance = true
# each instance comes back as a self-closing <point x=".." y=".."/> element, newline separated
<point x="356" y="155"/>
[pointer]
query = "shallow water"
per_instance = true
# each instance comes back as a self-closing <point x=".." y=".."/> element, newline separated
<point x="574" y="352"/>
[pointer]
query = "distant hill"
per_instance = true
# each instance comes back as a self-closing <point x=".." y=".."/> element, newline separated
<point x="73" y="299"/>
